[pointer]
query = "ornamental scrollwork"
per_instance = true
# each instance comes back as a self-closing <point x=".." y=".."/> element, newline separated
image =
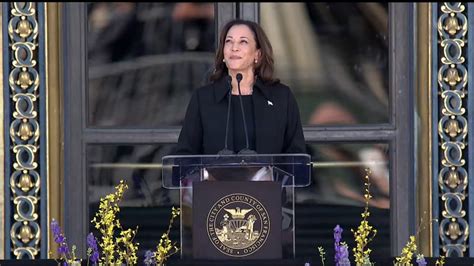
<point x="452" y="128"/>
<point x="24" y="84"/>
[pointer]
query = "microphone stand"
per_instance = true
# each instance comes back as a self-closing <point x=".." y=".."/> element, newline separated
<point x="246" y="150"/>
<point x="226" y="151"/>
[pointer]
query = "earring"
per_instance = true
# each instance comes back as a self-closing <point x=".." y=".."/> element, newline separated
<point x="255" y="60"/>
<point x="223" y="60"/>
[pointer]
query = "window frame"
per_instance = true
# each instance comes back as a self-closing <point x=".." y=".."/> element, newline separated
<point x="398" y="133"/>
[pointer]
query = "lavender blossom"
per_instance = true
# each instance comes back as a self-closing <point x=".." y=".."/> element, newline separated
<point x="341" y="256"/>
<point x="59" y="238"/>
<point x="420" y="260"/>
<point x="337" y="239"/>
<point x="63" y="249"/>
<point x="337" y="234"/>
<point x="149" y="258"/>
<point x="92" y="244"/>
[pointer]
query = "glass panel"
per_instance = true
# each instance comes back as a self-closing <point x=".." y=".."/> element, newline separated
<point x="188" y="172"/>
<point x="336" y="196"/>
<point x="181" y="169"/>
<point x="334" y="56"/>
<point x="145" y="59"/>
<point x="145" y="204"/>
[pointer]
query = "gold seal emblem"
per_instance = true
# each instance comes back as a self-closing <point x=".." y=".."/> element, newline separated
<point x="238" y="225"/>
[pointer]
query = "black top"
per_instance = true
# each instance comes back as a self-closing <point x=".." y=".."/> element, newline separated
<point x="276" y="116"/>
<point x="239" y="130"/>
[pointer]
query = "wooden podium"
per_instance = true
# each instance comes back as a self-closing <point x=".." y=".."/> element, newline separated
<point x="237" y="206"/>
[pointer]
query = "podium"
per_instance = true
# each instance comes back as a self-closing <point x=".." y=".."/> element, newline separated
<point x="237" y="206"/>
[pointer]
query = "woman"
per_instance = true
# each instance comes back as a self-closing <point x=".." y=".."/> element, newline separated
<point x="214" y="122"/>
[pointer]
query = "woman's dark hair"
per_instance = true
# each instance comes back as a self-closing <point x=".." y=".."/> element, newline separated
<point x="264" y="67"/>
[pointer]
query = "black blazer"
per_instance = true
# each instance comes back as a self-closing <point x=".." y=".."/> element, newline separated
<point x="277" y="120"/>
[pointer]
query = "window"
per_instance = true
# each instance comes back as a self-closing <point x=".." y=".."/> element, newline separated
<point x="355" y="101"/>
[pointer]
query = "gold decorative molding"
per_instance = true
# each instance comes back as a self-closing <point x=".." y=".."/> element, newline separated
<point x="24" y="83"/>
<point x="452" y="129"/>
<point x="423" y="107"/>
<point x="54" y="153"/>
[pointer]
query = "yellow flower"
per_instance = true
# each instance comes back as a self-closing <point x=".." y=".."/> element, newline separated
<point x="407" y="252"/>
<point x="115" y="250"/>
<point x="166" y="248"/>
<point x="365" y="233"/>
<point x="440" y="261"/>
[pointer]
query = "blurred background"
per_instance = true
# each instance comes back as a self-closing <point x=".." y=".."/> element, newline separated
<point x="145" y="59"/>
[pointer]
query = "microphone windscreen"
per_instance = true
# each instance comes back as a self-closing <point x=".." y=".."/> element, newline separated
<point x="239" y="77"/>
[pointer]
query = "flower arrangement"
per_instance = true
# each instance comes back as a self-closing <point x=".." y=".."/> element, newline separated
<point x="407" y="253"/>
<point x="365" y="234"/>
<point x="121" y="249"/>
<point x="165" y="248"/>
<point x="115" y="250"/>
<point x="411" y="249"/>
<point x="117" y="244"/>
<point x="92" y="250"/>
<point x="69" y="257"/>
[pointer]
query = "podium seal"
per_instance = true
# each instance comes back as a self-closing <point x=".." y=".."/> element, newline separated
<point x="238" y="225"/>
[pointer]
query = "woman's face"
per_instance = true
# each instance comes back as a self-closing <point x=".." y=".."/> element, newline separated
<point x="240" y="49"/>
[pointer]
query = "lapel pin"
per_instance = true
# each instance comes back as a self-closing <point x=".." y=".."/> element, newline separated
<point x="269" y="103"/>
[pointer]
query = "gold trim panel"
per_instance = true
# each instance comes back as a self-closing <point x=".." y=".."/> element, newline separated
<point x="452" y="128"/>
<point x="54" y="153"/>
<point x="424" y="129"/>
<point x="24" y="84"/>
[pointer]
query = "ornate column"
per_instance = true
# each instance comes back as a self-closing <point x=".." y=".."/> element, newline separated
<point x="450" y="112"/>
<point x="24" y="99"/>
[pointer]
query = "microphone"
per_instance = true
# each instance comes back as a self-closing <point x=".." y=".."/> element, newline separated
<point x="246" y="150"/>
<point x="226" y="151"/>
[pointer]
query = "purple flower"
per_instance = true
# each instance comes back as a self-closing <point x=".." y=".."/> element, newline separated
<point x="341" y="256"/>
<point x="420" y="259"/>
<point x="337" y="234"/>
<point x="149" y="259"/>
<point x="63" y="249"/>
<point x="55" y="228"/>
<point x="337" y="239"/>
<point x="92" y="244"/>
<point x="59" y="238"/>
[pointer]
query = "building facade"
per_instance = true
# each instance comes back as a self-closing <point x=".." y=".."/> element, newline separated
<point x="96" y="93"/>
